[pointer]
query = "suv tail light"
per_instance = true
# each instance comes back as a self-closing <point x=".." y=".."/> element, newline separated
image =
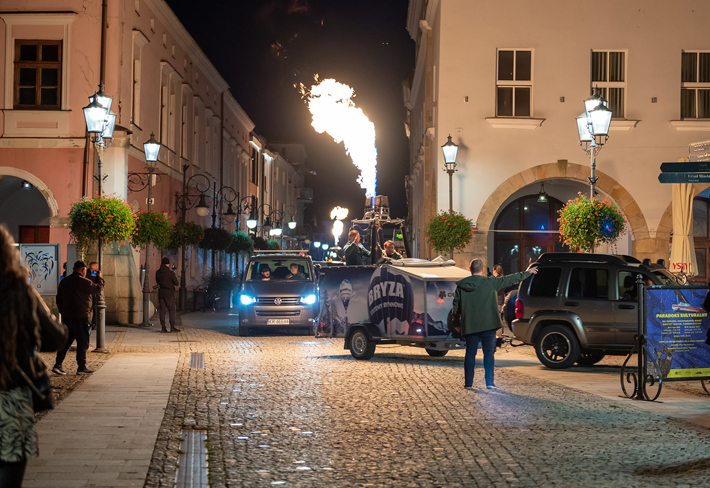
<point x="519" y="308"/>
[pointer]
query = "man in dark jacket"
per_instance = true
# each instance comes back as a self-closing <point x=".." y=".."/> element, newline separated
<point x="74" y="300"/>
<point x="476" y="300"/>
<point x="167" y="281"/>
<point x="355" y="253"/>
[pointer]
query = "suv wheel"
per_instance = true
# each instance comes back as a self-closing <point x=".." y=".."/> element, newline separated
<point x="557" y="347"/>
<point x="588" y="358"/>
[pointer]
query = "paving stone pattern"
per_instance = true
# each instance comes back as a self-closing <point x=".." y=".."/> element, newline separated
<point x="309" y="415"/>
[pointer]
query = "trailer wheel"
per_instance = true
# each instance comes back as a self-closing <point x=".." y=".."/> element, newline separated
<point x="361" y="347"/>
<point x="435" y="353"/>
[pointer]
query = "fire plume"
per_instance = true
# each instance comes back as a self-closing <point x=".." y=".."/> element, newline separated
<point x="334" y="112"/>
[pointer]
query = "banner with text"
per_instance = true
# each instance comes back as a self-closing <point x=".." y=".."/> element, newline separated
<point x="676" y="329"/>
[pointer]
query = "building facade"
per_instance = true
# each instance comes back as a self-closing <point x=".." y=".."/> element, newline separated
<point x="508" y="88"/>
<point x="161" y="83"/>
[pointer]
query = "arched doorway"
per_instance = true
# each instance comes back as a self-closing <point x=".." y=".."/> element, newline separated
<point x="24" y="210"/>
<point x="524" y="229"/>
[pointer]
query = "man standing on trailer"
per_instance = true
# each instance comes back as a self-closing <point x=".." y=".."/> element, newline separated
<point x="355" y="253"/>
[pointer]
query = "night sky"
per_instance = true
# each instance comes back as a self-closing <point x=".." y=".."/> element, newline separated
<point x="262" y="48"/>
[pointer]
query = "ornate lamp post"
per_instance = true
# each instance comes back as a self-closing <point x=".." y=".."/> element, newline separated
<point x="593" y="128"/>
<point x="183" y="202"/>
<point x="100" y="122"/>
<point x="137" y="182"/>
<point x="450" y="149"/>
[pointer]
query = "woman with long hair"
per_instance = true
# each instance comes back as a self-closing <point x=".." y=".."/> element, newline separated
<point x="26" y="325"/>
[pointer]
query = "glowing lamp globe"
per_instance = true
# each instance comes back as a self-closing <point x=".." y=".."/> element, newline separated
<point x="202" y="209"/>
<point x="95" y="117"/>
<point x="151" y="148"/>
<point x="316" y="244"/>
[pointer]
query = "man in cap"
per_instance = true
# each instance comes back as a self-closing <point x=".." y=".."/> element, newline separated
<point x="74" y="300"/>
<point x="167" y="281"/>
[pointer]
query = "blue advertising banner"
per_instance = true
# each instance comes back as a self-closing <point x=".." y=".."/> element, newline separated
<point x="676" y="328"/>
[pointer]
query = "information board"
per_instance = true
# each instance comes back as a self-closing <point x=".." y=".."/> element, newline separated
<point x="42" y="261"/>
<point x="676" y="329"/>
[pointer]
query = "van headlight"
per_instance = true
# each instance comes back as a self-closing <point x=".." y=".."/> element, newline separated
<point x="308" y="299"/>
<point x="246" y="299"/>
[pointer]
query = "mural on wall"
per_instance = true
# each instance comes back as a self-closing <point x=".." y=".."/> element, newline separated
<point x="42" y="261"/>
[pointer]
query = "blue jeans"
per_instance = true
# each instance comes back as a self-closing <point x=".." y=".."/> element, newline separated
<point x="488" y="344"/>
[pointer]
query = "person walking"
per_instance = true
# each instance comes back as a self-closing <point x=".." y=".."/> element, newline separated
<point x="355" y="253"/>
<point x="167" y="281"/>
<point x="26" y="325"/>
<point x="74" y="300"/>
<point x="476" y="300"/>
<point x="92" y="274"/>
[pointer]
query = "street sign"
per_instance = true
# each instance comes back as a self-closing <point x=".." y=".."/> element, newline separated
<point x="701" y="156"/>
<point x="695" y="167"/>
<point x="684" y="177"/>
<point x="701" y="146"/>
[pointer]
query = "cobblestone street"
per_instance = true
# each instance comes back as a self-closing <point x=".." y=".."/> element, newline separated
<point x="298" y="411"/>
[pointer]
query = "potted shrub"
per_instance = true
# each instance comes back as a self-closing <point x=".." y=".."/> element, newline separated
<point x="584" y="223"/>
<point x="216" y="239"/>
<point x="273" y="245"/>
<point x="185" y="234"/>
<point x="449" y="231"/>
<point x="152" y="227"/>
<point x="103" y="219"/>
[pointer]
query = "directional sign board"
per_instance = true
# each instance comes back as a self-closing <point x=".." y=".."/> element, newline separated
<point x="696" y="167"/>
<point x="697" y="147"/>
<point x="700" y="156"/>
<point x="684" y="177"/>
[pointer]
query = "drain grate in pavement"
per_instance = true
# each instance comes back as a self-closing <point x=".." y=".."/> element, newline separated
<point x="197" y="360"/>
<point x="192" y="469"/>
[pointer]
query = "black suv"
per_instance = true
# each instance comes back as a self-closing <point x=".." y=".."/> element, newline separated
<point x="580" y="307"/>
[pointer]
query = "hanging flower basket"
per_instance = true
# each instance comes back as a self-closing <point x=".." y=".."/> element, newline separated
<point x="108" y="219"/>
<point x="241" y="243"/>
<point x="449" y="230"/>
<point x="152" y="227"/>
<point x="585" y="223"/>
<point x="216" y="239"/>
<point x="185" y="234"/>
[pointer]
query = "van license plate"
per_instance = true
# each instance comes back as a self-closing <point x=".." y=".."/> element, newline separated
<point x="277" y="321"/>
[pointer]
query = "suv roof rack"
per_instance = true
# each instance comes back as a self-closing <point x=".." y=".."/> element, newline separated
<point x="581" y="257"/>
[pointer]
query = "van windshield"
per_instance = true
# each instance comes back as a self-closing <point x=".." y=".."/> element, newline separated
<point x="279" y="270"/>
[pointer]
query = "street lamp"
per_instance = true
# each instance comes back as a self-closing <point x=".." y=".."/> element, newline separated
<point x="100" y="122"/>
<point x="138" y="182"/>
<point x="593" y="128"/>
<point x="450" y="149"/>
<point x="183" y="202"/>
<point x="542" y="196"/>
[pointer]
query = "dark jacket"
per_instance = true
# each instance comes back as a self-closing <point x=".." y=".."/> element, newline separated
<point x="167" y="281"/>
<point x="355" y="255"/>
<point x="46" y="335"/>
<point x="477" y="301"/>
<point x="74" y="296"/>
